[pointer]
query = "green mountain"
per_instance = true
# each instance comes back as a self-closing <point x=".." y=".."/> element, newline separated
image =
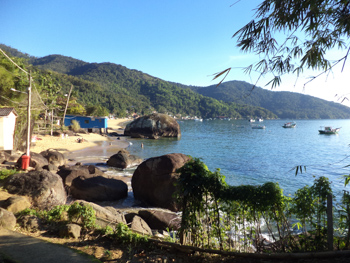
<point x="286" y="105"/>
<point x="122" y="90"/>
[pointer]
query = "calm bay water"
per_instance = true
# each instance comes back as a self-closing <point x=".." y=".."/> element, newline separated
<point x="253" y="156"/>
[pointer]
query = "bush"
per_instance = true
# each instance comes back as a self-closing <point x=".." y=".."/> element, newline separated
<point x="75" y="126"/>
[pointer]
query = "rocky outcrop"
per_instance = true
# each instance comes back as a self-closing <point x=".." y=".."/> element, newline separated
<point x="161" y="220"/>
<point x="139" y="225"/>
<point x="98" y="188"/>
<point x="153" y="126"/>
<point x="104" y="216"/>
<point x="153" y="180"/>
<point x="54" y="157"/>
<point x="69" y="173"/>
<point x="4" y="157"/>
<point x="43" y="187"/>
<point x="123" y="159"/>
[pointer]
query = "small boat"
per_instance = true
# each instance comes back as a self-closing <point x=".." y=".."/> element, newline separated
<point x="289" y="125"/>
<point x="258" y="127"/>
<point x="251" y="120"/>
<point x="329" y="130"/>
<point x="260" y="120"/>
<point x="198" y="119"/>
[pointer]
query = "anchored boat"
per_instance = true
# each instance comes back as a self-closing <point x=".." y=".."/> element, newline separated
<point x="329" y="130"/>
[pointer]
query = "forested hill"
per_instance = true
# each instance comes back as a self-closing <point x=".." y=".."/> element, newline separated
<point x="122" y="90"/>
<point x="286" y="105"/>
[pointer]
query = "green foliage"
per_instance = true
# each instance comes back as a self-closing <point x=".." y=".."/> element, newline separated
<point x="82" y="213"/>
<point x="211" y="210"/>
<point x="310" y="29"/>
<point x="4" y="173"/>
<point x="125" y="235"/>
<point x="75" y="126"/>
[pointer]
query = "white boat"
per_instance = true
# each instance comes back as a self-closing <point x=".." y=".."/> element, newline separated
<point x="251" y="120"/>
<point x="328" y="130"/>
<point x="198" y="119"/>
<point x="260" y="120"/>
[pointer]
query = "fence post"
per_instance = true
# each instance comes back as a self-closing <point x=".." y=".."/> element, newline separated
<point x="330" y="222"/>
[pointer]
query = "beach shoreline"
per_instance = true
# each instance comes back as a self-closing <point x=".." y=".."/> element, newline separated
<point x="70" y="144"/>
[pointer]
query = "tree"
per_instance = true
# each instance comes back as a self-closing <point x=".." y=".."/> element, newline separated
<point x="311" y="28"/>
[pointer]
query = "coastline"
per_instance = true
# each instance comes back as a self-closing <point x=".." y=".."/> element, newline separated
<point x="70" y="144"/>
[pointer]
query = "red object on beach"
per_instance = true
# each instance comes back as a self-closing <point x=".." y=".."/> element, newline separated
<point x="25" y="162"/>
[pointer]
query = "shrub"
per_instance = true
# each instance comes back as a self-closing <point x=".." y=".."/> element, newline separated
<point x="75" y="126"/>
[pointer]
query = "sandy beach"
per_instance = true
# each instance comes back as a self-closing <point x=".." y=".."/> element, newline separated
<point x="70" y="143"/>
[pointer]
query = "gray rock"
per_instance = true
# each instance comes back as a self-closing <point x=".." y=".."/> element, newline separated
<point x="105" y="217"/>
<point x="54" y="157"/>
<point x="123" y="159"/>
<point x="69" y="173"/>
<point x="44" y="188"/>
<point x="7" y="219"/>
<point x="31" y="223"/>
<point x="153" y="126"/>
<point x="16" y="204"/>
<point x="153" y="180"/>
<point x="139" y="225"/>
<point x="98" y="189"/>
<point x="70" y="230"/>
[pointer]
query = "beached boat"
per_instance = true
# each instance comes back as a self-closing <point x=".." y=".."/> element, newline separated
<point x="328" y="130"/>
<point x="258" y="127"/>
<point x="289" y="125"/>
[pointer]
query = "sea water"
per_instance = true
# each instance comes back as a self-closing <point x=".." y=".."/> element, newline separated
<point x="256" y="156"/>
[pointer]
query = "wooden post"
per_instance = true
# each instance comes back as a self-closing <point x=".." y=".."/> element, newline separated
<point x="330" y="222"/>
<point x="65" y="110"/>
<point x="28" y="114"/>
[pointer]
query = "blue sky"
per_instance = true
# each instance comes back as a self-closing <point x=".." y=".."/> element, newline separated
<point x="175" y="40"/>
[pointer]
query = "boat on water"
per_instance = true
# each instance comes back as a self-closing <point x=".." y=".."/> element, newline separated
<point x="260" y="119"/>
<point x="328" y="130"/>
<point x="289" y="125"/>
<point x="258" y="127"/>
<point x="198" y="119"/>
<point x="251" y="120"/>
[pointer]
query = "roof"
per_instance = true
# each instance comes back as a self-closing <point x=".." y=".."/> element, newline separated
<point x="6" y="112"/>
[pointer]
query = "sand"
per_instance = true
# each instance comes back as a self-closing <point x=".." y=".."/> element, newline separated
<point x="70" y="143"/>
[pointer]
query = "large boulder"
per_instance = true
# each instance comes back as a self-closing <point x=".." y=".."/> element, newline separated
<point x="69" y="173"/>
<point x="54" y="157"/>
<point x="44" y="188"/>
<point x="98" y="188"/>
<point x="123" y="159"/>
<point x="153" y="180"/>
<point x="37" y="161"/>
<point x="153" y="126"/>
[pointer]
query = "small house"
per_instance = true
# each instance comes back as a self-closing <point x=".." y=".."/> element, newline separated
<point x="88" y="122"/>
<point x="7" y="128"/>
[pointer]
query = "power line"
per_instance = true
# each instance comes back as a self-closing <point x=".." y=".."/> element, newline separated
<point x="13" y="61"/>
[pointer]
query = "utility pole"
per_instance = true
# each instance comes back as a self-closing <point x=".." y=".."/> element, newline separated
<point x="28" y="113"/>
<point x="65" y="110"/>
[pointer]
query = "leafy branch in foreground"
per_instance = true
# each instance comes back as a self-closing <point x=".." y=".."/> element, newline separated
<point x="308" y="29"/>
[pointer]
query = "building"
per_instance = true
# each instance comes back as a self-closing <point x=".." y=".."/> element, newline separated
<point x="88" y="122"/>
<point x="7" y="128"/>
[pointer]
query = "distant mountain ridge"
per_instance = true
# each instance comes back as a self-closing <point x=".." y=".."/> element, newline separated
<point x="121" y="89"/>
<point x="285" y="104"/>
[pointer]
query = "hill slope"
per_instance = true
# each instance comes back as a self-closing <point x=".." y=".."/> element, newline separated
<point x="120" y="89"/>
<point x="286" y="105"/>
